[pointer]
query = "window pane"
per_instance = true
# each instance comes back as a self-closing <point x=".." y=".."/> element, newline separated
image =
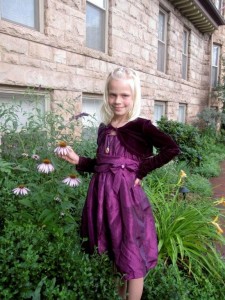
<point x="161" y="57"/>
<point x="20" y="11"/>
<point x="185" y="41"/>
<point x="215" y="56"/>
<point x="159" y="111"/>
<point x="95" y="28"/>
<point x="218" y="4"/>
<point x="182" y="113"/>
<point x="90" y="123"/>
<point x="214" y="76"/>
<point x="184" y="66"/>
<point x="24" y="108"/>
<point x="161" y="29"/>
<point x="92" y="107"/>
<point x="215" y="65"/>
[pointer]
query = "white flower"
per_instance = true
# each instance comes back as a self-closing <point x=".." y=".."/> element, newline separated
<point x="72" y="180"/>
<point x="45" y="166"/>
<point x="21" y="190"/>
<point x="25" y="154"/>
<point x="57" y="199"/>
<point x="62" y="149"/>
<point x="35" y="156"/>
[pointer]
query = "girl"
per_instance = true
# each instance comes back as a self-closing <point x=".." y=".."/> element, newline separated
<point x="117" y="216"/>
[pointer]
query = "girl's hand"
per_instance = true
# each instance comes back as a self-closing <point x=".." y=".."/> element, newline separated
<point x="71" y="157"/>
<point x="137" y="182"/>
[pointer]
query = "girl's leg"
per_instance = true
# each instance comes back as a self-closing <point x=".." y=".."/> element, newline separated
<point x="135" y="288"/>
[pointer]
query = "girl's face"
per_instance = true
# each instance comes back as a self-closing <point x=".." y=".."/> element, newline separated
<point x="120" y="97"/>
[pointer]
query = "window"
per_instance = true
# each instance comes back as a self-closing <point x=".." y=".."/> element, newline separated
<point x="162" y="37"/>
<point x="159" y="111"/>
<point x="218" y="4"/>
<point x="24" y="12"/>
<point x="182" y="113"/>
<point x="215" y="65"/>
<point x="91" y="105"/>
<point x="22" y="107"/>
<point x="185" y="54"/>
<point x="96" y="24"/>
<point x="21" y="115"/>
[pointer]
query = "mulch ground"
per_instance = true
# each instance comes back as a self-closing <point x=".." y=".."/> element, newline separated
<point x="218" y="185"/>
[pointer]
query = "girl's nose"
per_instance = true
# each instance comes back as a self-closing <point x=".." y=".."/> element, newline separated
<point x="117" y="99"/>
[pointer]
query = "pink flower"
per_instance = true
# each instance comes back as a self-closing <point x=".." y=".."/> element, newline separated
<point x="45" y="166"/>
<point x="62" y="149"/>
<point x="21" y="190"/>
<point x="72" y="180"/>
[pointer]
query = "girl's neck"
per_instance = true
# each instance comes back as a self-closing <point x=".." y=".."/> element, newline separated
<point x="119" y="122"/>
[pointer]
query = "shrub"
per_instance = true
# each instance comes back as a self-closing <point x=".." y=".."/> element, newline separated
<point x="187" y="137"/>
<point x="36" y="262"/>
<point x="168" y="282"/>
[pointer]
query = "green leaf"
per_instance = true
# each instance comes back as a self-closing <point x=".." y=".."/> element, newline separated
<point x="26" y="202"/>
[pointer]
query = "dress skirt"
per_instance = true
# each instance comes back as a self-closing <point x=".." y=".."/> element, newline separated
<point x="117" y="217"/>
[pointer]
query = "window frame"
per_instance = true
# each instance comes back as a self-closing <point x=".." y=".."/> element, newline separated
<point x="163" y="105"/>
<point x="105" y="35"/>
<point x="38" y="17"/>
<point x="185" y="54"/>
<point x="214" y="81"/>
<point x="162" y="42"/>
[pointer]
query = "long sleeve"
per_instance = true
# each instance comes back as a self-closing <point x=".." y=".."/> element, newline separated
<point x="86" y="164"/>
<point x="168" y="149"/>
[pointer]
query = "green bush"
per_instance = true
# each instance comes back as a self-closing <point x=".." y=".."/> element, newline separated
<point x="186" y="136"/>
<point x="36" y="263"/>
<point x="168" y="282"/>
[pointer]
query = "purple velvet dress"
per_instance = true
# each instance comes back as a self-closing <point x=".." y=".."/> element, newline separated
<point x="117" y="217"/>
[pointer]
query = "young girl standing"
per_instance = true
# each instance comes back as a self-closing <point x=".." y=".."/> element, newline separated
<point x="117" y="217"/>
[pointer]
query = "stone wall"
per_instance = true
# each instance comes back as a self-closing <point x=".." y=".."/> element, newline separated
<point x="57" y="58"/>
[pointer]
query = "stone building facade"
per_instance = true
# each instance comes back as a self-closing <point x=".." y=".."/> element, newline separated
<point x="59" y="55"/>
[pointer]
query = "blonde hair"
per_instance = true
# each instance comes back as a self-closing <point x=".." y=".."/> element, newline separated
<point x="135" y="85"/>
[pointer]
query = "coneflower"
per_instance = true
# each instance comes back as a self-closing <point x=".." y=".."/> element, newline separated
<point x="45" y="166"/>
<point x="62" y="148"/>
<point x="72" y="180"/>
<point x="21" y="190"/>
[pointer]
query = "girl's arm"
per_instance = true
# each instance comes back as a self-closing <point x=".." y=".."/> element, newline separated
<point x="86" y="164"/>
<point x="168" y="149"/>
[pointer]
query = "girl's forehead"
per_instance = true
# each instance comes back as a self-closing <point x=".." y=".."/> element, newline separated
<point x="125" y="83"/>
